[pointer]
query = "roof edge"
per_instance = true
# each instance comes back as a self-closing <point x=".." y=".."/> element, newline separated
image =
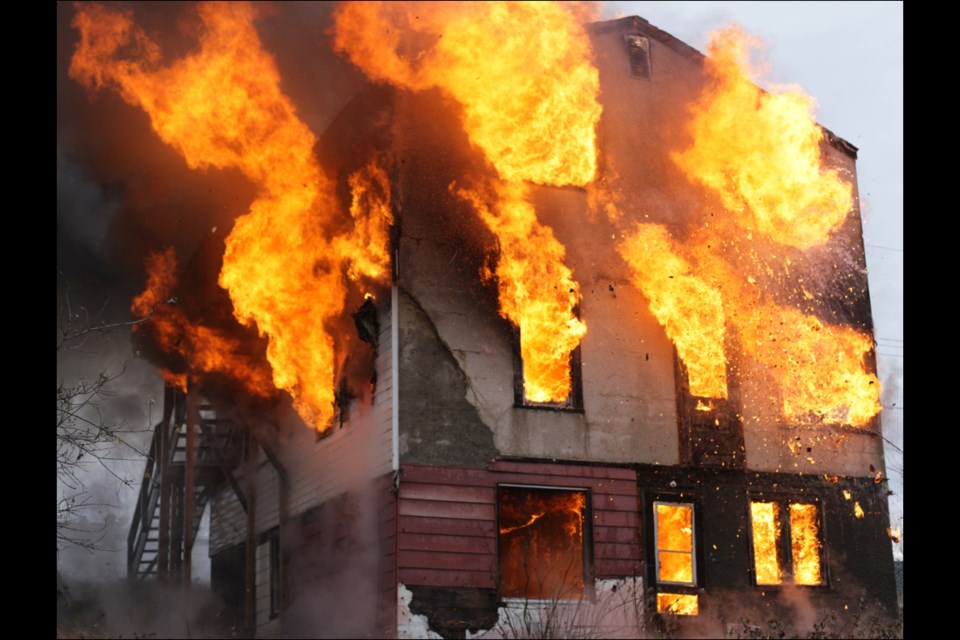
<point x="636" y="24"/>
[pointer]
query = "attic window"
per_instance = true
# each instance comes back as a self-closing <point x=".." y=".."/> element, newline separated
<point x="638" y="55"/>
<point x="675" y="558"/>
<point x="787" y="543"/>
<point x="543" y="555"/>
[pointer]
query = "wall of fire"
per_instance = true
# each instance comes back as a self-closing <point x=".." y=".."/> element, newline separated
<point x="459" y="419"/>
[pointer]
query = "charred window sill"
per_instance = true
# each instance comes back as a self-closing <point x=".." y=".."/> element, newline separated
<point x="549" y="406"/>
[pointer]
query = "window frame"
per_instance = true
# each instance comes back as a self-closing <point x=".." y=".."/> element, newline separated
<point x="276" y="600"/>
<point x="657" y="586"/>
<point x="647" y="70"/>
<point x="588" y="594"/>
<point x="784" y="541"/>
<point x="573" y="403"/>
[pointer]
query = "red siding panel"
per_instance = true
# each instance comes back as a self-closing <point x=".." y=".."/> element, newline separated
<point x="459" y="544"/>
<point x="482" y="528"/>
<point x="623" y="535"/>
<point x="438" y="509"/>
<point x="611" y="473"/>
<point x="479" y="579"/>
<point x="448" y="561"/>
<point x="446" y="533"/>
<point x="483" y="495"/>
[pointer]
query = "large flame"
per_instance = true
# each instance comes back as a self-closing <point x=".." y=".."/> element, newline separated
<point x="805" y="543"/>
<point x="690" y="310"/>
<point x="204" y="349"/>
<point x="222" y="107"/>
<point x="820" y="369"/>
<point x="678" y="604"/>
<point x="675" y="543"/>
<point x="761" y="151"/>
<point x="765" y="521"/>
<point x="523" y="73"/>
<point x="537" y="292"/>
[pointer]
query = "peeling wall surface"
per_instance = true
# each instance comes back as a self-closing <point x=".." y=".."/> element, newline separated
<point x="616" y="612"/>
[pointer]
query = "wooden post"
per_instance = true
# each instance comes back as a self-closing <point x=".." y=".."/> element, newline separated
<point x="188" y="492"/>
<point x="249" y="595"/>
<point x="163" y="550"/>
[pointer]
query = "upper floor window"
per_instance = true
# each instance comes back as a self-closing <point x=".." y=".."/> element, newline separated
<point x="525" y="397"/>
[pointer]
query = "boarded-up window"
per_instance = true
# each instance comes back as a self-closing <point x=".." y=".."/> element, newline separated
<point x="638" y="54"/>
<point x="543" y="553"/>
<point x="787" y="543"/>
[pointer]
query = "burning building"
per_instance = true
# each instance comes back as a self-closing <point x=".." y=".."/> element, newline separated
<point x="573" y="332"/>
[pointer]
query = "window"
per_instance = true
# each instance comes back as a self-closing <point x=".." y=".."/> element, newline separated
<point x="711" y="430"/>
<point x="638" y="53"/>
<point x="543" y="542"/>
<point x="675" y="557"/>
<point x="274" y="573"/>
<point x="787" y="542"/>
<point x="522" y="396"/>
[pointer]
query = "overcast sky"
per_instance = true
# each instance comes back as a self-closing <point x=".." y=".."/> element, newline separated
<point x="849" y="57"/>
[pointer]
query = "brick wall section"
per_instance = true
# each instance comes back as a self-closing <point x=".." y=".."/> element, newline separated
<point x="446" y="526"/>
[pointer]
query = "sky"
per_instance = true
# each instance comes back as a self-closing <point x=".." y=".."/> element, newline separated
<point x="847" y="55"/>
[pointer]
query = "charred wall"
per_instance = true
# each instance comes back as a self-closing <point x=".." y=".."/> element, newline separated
<point x="857" y="556"/>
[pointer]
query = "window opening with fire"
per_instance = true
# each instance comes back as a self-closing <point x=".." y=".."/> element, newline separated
<point x="547" y="390"/>
<point x="544" y="542"/>
<point x="787" y="543"/>
<point x="675" y="557"/>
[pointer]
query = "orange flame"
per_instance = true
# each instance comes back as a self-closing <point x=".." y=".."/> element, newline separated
<point x="537" y="292"/>
<point x="222" y="107"/>
<point x="857" y="510"/>
<point x="820" y="368"/>
<point x="674" y="543"/>
<point x="522" y="71"/>
<point x="529" y="103"/>
<point x="205" y="350"/>
<point x="678" y="604"/>
<point x="805" y="543"/>
<point x="690" y="310"/>
<point x="541" y="543"/>
<point x="765" y="520"/>
<point x="761" y="152"/>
